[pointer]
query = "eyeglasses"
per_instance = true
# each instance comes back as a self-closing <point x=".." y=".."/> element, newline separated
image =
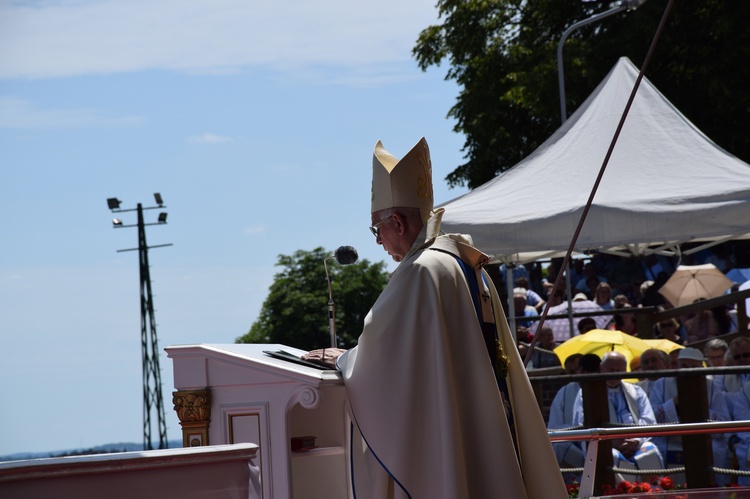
<point x="375" y="229"/>
<point x="740" y="356"/>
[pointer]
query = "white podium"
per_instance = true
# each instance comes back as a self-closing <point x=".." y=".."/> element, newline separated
<point x="235" y="393"/>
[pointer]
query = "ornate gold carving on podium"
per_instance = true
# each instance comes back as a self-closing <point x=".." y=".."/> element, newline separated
<point x="193" y="408"/>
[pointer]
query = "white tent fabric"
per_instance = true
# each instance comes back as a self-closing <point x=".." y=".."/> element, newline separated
<point x="666" y="183"/>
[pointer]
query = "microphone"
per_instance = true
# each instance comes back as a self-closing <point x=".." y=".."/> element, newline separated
<point x="344" y="255"/>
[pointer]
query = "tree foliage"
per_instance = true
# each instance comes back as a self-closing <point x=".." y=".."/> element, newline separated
<point x="295" y="313"/>
<point x="503" y="55"/>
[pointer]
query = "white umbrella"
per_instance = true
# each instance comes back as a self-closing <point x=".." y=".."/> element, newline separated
<point x="690" y="283"/>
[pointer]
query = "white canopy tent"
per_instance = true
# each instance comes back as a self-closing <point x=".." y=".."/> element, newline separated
<point x="666" y="183"/>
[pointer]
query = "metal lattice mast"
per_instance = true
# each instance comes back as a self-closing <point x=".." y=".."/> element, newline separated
<point x="153" y="404"/>
<point x="152" y="397"/>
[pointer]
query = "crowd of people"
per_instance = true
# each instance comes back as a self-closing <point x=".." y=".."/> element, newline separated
<point x="614" y="284"/>
<point x="655" y="400"/>
<point x="608" y="283"/>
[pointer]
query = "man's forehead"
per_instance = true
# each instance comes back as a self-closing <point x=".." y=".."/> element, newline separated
<point x="619" y="363"/>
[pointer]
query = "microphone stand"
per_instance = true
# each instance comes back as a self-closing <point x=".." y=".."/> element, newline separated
<point x="331" y="309"/>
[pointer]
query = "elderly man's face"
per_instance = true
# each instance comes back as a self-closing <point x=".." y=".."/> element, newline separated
<point x="390" y="231"/>
<point x="519" y="303"/>
<point x="741" y="354"/>
<point x="689" y="363"/>
<point x="651" y="360"/>
<point x="715" y="357"/>
<point x="614" y="364"/>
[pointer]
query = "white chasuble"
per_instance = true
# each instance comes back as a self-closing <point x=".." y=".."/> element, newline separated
<point x="428" y="419"/>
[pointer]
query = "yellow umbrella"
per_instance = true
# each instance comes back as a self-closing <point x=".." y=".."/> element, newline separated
<point x="601" y="341"/>
<point x="663" y="344"/>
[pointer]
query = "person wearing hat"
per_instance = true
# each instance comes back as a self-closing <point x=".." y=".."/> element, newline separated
<point x="428" y="411"/>
<point x="664" y="401"/>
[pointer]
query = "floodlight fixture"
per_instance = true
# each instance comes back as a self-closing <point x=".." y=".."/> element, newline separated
<point x="157" y="198"/>
<point x="113" y="203"/>
<point x="163" y="217"/>
<point x="116" y="222"/>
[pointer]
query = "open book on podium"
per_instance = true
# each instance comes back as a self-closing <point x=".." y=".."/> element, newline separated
<point x="290" y="357"/>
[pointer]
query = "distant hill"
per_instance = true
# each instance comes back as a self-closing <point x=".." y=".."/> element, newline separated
<point x="101" y="449"/>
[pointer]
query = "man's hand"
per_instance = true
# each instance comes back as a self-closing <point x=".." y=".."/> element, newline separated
<point x="324" y="356"/>
<point x="628" y="447"/>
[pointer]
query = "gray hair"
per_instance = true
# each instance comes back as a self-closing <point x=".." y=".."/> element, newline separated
<point x="716" y="344"/>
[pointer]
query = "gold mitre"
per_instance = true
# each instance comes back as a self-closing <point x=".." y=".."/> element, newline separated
<point x="406" y="183"/>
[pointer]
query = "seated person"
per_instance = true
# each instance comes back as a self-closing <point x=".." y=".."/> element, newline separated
<point x="652" y="359"/>
<point x="742" y="413"/>
<point x="586" y="324"/>
<point x="522" y="309"/>
<point x="625" y="322"/>
<point x="664" y="401"/>
<point x="701" y="326"/>
<point x="570" y="454"/>
<point x="669" y="329"/>
<point x="603" y="296"/>
<point x="628" y="404"/>
<point x="543" y="356"/>
<point x="589" y="281"/>
<point x="715" y="350"/>
<point x="532" y="297"/>
<point x="732" y="384"/>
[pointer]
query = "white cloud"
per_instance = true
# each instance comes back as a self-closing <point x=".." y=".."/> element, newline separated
<point x="209" y="138"/>
<point x="20" y="113"/>
<point x="55" y="39"/>
<point x="255" y="229"/>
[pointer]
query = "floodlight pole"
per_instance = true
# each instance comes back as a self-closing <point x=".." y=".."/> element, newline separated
<point x="621" y="6"/>
<point x="152" y="394"/>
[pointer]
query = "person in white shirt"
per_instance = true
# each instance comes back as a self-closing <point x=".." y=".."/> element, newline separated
<point x="652" y="359"/>
<point x="732" y="384"/>
<point x="570" y="454"/>
<point x="628" y="404"/>
<point x="665" y="403"/>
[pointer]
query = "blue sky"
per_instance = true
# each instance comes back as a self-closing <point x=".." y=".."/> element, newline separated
<point x="254" y="119"/>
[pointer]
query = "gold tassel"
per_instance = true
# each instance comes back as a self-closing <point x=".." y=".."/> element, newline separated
<point x="502" y="360"/>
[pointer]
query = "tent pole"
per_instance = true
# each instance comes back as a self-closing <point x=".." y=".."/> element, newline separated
<point x="511" y="307"/>
<point x="569" y="294"/>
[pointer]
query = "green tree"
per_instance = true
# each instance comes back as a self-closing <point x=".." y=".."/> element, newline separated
<point x="295" y="313"/>
<point x="503" y="55"/>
